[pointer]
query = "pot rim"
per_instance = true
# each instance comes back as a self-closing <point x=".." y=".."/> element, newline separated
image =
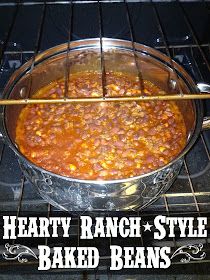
<point x="109" y="42"/>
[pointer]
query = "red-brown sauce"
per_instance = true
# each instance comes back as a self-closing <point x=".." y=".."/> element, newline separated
<point x="100" y="141"/>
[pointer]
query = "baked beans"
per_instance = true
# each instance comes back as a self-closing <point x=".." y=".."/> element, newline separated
<point x="104" y="140"/>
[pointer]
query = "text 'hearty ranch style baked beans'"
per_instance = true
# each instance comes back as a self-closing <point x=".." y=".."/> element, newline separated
<point x="104" y="140"/>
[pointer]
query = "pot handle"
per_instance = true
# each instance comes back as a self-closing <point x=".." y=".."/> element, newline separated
<point x="205" y="88"/>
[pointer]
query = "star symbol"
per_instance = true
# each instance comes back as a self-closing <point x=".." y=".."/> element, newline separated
<point x="147" y="226"/>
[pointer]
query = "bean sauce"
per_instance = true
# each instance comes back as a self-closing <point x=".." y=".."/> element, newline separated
<point x="104" y="140"/>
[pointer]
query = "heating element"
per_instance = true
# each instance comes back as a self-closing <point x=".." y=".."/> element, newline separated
<point x="31" y="27"/>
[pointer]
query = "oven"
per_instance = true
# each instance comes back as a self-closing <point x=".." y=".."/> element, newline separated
<point x="179" y="29"/>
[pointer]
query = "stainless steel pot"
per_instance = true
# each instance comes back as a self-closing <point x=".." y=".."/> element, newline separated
<point x="125" y="194"/>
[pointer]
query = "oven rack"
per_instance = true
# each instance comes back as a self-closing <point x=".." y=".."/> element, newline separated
<point x="141" y="97"/>
<point x="190" y="194"/>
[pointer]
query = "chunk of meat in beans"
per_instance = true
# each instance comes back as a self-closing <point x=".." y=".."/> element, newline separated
<point x="100" y="141"/>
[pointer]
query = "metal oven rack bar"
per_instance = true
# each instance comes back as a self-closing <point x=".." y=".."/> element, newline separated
<point x="36" y="48"/>
<point x="189" y="200"/>
<point x="67" y="69"/>
<point x="132" y="37"/>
